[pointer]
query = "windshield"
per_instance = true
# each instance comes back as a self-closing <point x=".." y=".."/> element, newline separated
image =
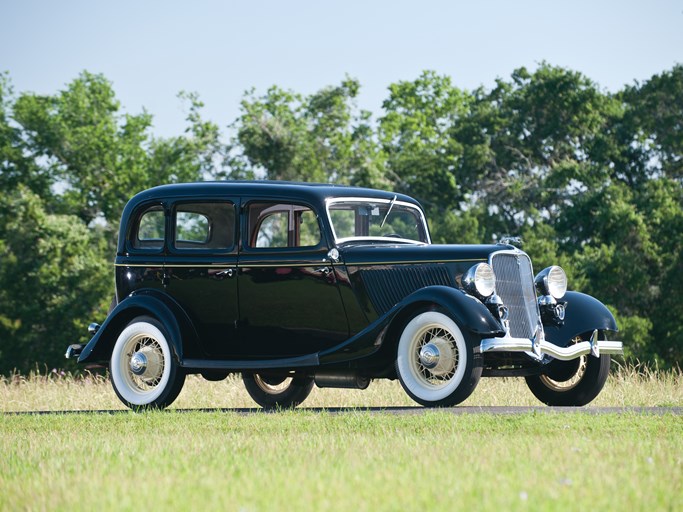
<point x="377" y="219"/>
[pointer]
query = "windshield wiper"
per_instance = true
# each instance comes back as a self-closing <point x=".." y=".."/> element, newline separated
<point x="391" y="205"/>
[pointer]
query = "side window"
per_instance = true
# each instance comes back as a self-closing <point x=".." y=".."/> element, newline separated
<point x="309" y="229"/>
<point x="191" y="228"/>
<point x="151" y="229"/>
<point x="281" y="225"/>
<point x="204" y="226"/>
<point x="273" y="230"/>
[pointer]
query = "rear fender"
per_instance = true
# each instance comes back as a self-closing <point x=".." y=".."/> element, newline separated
<point x="141" y="303"/>
<point x="583" y="314"/>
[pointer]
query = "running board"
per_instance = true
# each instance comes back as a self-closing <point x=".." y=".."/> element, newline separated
<point x="255" y="364"/>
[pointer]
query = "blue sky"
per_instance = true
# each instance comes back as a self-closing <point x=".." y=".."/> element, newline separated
<point x="152" y="50"/>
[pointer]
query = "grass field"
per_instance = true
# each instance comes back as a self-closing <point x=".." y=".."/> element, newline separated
<point x="312" y="460"/>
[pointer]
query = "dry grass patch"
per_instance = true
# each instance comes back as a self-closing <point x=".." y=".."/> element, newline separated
<point x="626" y="386"/>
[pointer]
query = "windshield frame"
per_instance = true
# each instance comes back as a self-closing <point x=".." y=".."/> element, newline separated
<point x="397" y="202"/>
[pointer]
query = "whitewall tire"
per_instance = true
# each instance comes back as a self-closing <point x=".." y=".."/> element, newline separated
<point x="436" y="362"/>
<point x="143" y="371"/>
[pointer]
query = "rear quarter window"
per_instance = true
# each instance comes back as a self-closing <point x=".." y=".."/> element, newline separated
<point x="151" y="229"/>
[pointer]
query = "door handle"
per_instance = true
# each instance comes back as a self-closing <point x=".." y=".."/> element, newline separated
<point x="324" y="270"/>
<point x="228" y="272"/>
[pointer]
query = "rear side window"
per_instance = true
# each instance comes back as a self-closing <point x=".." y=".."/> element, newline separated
<point x="151" y="229"/>
<point x="204" y="226"/>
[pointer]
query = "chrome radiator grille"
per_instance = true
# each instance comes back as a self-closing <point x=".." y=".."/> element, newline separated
<point x="515" y="286"/>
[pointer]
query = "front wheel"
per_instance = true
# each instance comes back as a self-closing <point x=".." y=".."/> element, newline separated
<point x="437" y="364"/>
<point x="144" y="373"/>
<point x="571" y="383"/>
<point x="272" y="392"/>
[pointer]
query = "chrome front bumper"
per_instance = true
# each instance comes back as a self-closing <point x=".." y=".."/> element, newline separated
<point x="538" y="346"/>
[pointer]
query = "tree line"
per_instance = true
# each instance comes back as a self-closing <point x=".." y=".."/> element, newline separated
<point x="590" y="180"/>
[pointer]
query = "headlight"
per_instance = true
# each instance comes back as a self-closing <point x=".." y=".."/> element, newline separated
<point x="480" y="280"/>
<point x="552" y="281"/>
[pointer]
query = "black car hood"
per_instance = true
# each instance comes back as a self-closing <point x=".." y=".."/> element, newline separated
<point x="389" y="253"/>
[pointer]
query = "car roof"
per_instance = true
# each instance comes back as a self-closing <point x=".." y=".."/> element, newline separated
<point x="312" y="192"/>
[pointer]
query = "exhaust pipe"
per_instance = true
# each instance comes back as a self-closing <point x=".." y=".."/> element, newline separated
<point x="341" y="380"/>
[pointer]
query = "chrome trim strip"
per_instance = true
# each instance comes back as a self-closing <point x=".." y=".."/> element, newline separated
<point x="222" y="265"/>
<point x="154" y="265"/>
<point x="510" y="344"/>
<point x="280" y="265"/>
<point x="249" y="265"/>
<point x="417" y="262"/>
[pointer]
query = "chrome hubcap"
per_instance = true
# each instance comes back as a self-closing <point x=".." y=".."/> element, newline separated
<point x="138" y="363"/>
<point x="429" y="356"/>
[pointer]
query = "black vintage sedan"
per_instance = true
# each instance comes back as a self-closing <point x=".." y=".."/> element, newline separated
<point x="295" y="285"/>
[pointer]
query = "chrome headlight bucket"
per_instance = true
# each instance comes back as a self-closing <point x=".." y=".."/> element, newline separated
<point x="480" y="280"/>
<point x="552" y="281"/>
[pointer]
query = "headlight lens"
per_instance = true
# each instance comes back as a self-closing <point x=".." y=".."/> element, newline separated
<point x="480" y="280"/>
<point x="552" y="281"/>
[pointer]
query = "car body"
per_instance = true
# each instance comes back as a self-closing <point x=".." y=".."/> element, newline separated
<point x="296" y="284"/>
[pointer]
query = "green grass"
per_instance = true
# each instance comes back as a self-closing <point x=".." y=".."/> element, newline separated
<point x="355" y="460"/>
<point x="303" y="460"/>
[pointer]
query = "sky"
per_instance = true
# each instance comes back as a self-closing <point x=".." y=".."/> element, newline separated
<point x="151" y="50"/>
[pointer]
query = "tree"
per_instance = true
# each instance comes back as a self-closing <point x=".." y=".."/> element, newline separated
<point x="16" y="168"/>
<point x="53" y="282"/>
<point x="100" y="156"/>
<point x="321" y="138"/>
<point x="422" y="158"/>
<point x="656" y="109"/>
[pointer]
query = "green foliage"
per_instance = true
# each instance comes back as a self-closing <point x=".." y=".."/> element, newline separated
<point x="422" y="159"/>
<point x="319" y="138"/>
<point x="54" y="280"/>
<point x="102" y="157"/>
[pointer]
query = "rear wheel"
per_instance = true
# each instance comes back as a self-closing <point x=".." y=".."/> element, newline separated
<point x="144" y="373"/>
<point x="571" y="383"/>
<point x="436" y="362"/>
<point x="272" y="392"/>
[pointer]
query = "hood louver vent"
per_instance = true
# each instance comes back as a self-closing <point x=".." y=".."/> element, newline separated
<point x="388" y="286"/>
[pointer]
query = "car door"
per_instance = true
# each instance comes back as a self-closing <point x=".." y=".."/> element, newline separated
<point x="289" y="299"/>
<point x="201" y="269"/>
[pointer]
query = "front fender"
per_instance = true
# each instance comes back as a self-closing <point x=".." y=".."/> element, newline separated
<point x="468" y="312"/>
<point x="142" y="302"/>
<point x="583" y="314"/>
